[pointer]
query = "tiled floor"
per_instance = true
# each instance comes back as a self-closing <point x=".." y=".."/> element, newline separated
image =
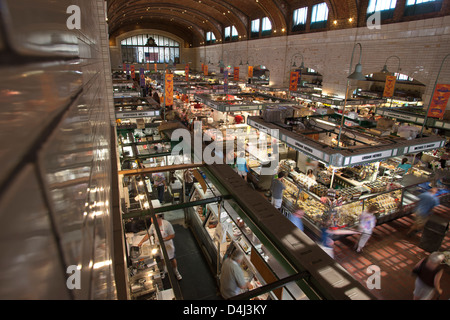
<point x="395" y="254"/>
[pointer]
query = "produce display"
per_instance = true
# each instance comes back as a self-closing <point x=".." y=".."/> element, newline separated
<point x="324" y="177"/>
<point x="294" y="199"/>
<point x="386" y="203"/>
<point x="348" y="214"/>
<point x="376" y="186"/>
<point x="300" y="195"/>
<point x="303" y="180"/>
<point x="313" y="209"/>
<point x="319" y="190"/>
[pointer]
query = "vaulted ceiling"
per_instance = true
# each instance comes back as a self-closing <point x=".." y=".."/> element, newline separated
<point x="191" y="19"/>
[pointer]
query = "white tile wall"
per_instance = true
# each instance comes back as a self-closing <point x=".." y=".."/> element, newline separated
<point x="55" y="137"/>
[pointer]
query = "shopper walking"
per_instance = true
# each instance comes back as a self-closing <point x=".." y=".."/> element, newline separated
<point x="277" y="187"/>
<point x="159" y="181"/>
<point x="367" y="223"/>
<point x="427" y="201"/>
<point x="167" y="234"/>
<point x="232" y="280"/>
<point x="242" y="166"/>
<point x="296" y="218"/>
<point x="188" y="181"/>
<point x="429" y="271"/>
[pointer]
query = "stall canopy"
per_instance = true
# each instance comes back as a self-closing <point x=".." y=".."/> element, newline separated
<point x="241" y="102"/>
<point x="373" y="151"/>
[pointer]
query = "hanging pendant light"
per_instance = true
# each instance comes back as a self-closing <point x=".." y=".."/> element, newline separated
<point x="357" y="74"/>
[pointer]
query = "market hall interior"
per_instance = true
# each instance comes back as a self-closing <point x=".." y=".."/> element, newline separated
<point x="314" y="112"/>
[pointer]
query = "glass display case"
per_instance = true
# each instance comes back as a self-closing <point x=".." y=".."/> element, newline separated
<point x="221" y="230"/>
<point x="393" y="200"/>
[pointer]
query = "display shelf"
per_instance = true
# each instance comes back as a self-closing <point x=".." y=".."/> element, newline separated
<point x="144" y="272"/>
<point x="391" y="199"/>
<point x="235" y="233"/>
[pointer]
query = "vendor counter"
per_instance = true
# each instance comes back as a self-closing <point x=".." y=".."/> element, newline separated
<point x="393" y="199"/>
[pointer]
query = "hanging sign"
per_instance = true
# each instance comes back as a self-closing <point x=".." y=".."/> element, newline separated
<point x="389" y="86"/>
<point x="225" y="81"/>
<point x="156" y="68"/>
<point x="293" y="82"/>
<point x="142" y="77"/>
<point x="236" y="74"/>
<point x="148" y="66"/>
<point x="205" y="69"/>
<point x="426" y="146"/>
<point x="439" y="101"/>
<point x="132" y="71"/>
<point x="169" y="89"/>
<point x="124" y="68"/>
<point x="127" y="66"/>
<point x="250" y="71"/>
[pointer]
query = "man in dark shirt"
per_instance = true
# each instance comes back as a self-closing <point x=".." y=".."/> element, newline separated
<point x="427" y="202"/>
<point x="277" y="189"/>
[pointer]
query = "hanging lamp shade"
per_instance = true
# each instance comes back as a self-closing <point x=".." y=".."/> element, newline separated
<point x="357" y="74"/>
<point x="385" y="69"/>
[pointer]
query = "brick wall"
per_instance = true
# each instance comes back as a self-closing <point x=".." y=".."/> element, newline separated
<point x="421" y="46"/>
<point x="55" y="117"/>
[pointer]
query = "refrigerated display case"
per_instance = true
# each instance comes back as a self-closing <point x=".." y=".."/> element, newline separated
<point x="220" y="229"/>
<point x="392" y="200"/>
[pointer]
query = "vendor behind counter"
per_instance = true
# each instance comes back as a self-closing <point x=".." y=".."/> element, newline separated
<point x="405" y="165"/>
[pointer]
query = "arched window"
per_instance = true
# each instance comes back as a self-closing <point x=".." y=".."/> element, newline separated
<point x="151" y="48"/>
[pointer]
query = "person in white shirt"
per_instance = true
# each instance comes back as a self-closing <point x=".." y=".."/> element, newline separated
<point x="311" y="175"/>
<point x="232" y="280"/>
<point x="367" y="223"/>
<point x="167" y="234"/>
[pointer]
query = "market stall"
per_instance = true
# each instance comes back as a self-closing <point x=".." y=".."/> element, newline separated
<point x="348" y="177"/>
<point x="126" y="88"/>
<point x="144" y="258"/>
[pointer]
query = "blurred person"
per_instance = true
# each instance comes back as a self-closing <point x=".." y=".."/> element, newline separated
<point x="424" y="208"/>
<point x="404" y="165"/>
<point x="188" y="181"/>
<point x="167" y="234"/>
<point x="159" y="181"/>
<point x="367" y="223"/>
<point x="311" y="175"/>
<point x="296" y="218"/>
<point x="277" y="187"/>
<point x="326" y="241"/>
<point x="232" y="280"/>
<point x="429" y="271"/>
<point x="242" y="166"/>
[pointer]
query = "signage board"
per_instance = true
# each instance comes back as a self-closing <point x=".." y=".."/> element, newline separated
<point x="137" y="114"/>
